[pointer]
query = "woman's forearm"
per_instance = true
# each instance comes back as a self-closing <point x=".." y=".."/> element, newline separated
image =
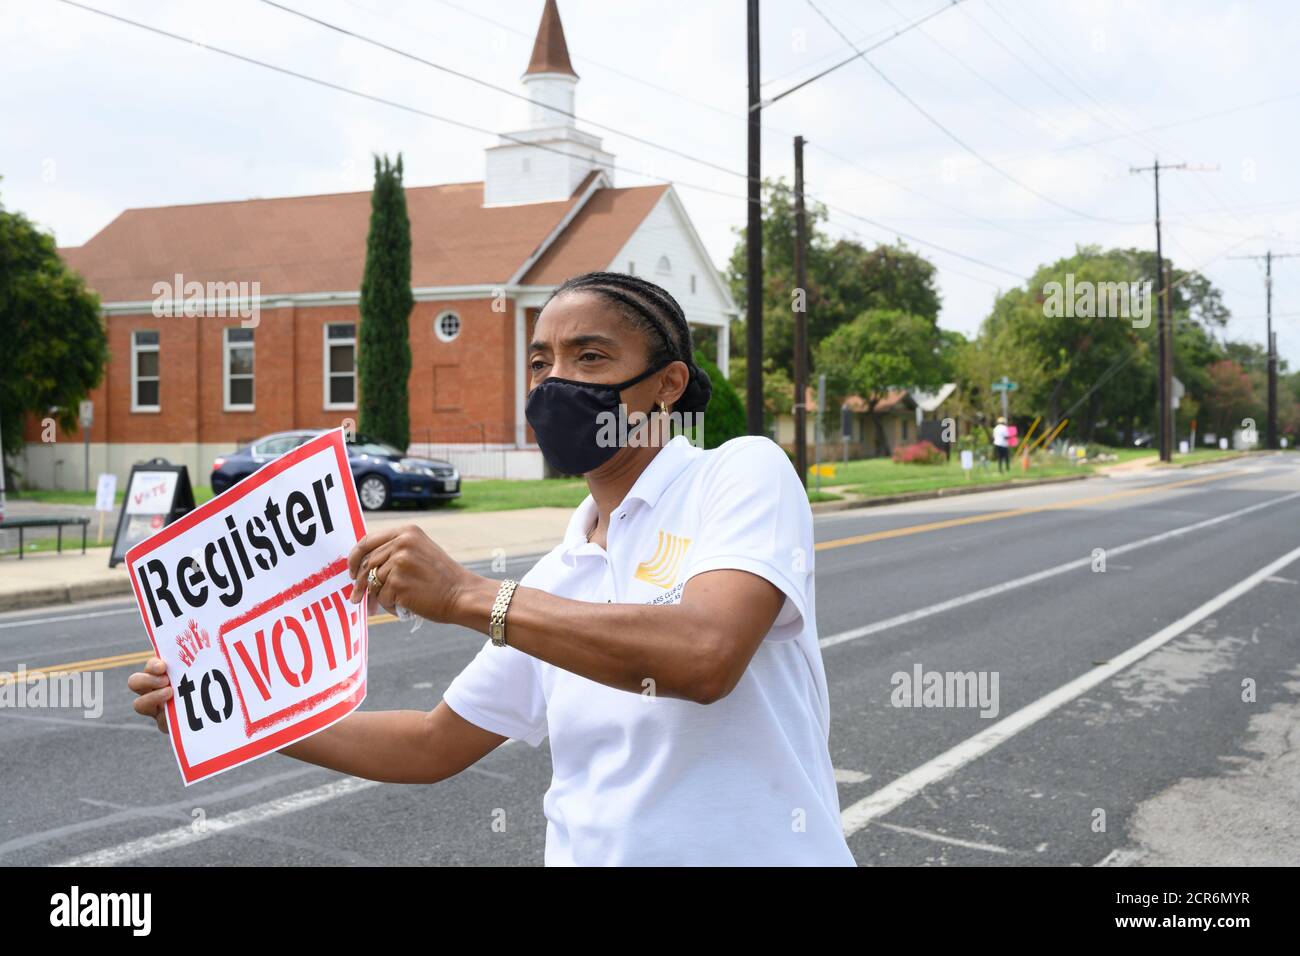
<point x="662" y="650"/>
<point x="391" y="746"/>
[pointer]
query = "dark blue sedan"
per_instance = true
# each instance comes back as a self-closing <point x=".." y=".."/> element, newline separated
<point x="382" y="473"/>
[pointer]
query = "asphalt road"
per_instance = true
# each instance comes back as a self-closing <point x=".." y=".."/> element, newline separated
<point x="1145" y="714"/>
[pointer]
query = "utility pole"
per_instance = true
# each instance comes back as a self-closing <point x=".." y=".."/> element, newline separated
<point x="1270" y="435"/>
<point x="800" y="321"/>
<point x="754" y="242"/>
<point x="1164" y="324"/>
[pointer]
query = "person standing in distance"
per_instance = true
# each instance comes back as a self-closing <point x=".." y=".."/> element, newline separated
<point x="1001" y="445"/>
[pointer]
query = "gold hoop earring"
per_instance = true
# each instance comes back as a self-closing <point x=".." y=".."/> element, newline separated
<point x="663" y="407"/>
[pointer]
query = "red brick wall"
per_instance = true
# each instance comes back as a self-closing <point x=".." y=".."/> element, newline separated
<point x="463" y="390"/>
<point x="460" y="391"/>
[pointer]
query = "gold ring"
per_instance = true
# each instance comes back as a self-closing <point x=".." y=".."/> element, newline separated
<point x="372" y="581"/>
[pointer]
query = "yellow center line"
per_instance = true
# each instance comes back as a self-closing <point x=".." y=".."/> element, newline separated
<point x="108" y="663"/>
<point x="1013" y="513"/>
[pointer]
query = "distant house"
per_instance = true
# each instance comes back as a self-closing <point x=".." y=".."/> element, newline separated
<point x="484" y="258"/>
<point x="903" y="416"/>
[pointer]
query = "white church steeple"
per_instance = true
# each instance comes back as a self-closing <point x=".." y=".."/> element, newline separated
<point x="547" y="161"/>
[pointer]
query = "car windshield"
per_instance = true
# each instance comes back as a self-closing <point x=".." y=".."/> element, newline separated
<point x="366" y="446"/>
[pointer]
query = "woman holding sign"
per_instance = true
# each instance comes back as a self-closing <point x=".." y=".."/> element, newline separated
<point x="667" y="646"/>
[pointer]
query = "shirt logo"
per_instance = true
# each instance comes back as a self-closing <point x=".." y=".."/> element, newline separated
<point x="661" y="570"/>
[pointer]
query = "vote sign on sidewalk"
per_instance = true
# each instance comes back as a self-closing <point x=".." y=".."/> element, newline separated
<point x="245" y="598"/>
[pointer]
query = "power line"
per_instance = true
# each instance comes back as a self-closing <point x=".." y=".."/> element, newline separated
<point x="405" y="54"/>
<point x="868" y="37"/>
<point x="947" y="269"/>
<point x="857" y="55"/>
<point x="1119" y="125"/>
<point x="939" y="202"/>
<point x="925" y="242"/>
<point x="581" y="58"/>
<point x="1267" y="101"/>
<point x="469" y="126"/>
<point x="1032" y="114"/>
<point x="328" y="84"/>
<point x="953" y="136"/>
<point x="493" y="86"/>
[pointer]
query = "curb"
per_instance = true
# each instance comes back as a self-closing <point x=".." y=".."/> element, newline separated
<point x="64" y="594"/>
<point x="822" y="507"/>
<point x="1198" y="464"/>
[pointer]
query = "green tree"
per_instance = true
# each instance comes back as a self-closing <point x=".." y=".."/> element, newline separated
<point x="1073" y="357"/>
<point x="724" y="416"/>
<point x="880" y="350"/>
<point x="384" y="338"/>
<point x="54" y="340"/>
<point x="844" y="279"/>
<point x="1232" y="396"/>
<point x="778" y="388"/>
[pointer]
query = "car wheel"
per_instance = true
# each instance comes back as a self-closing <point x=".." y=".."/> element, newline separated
<point x="373" y="492"/>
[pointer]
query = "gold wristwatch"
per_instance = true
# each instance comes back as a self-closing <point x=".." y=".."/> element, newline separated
<point x="497" y="620"/>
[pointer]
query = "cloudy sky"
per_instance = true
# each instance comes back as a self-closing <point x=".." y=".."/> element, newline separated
<point x="994" y="137"/>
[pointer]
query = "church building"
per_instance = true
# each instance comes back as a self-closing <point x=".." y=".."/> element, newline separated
<point x="267" y="339"/>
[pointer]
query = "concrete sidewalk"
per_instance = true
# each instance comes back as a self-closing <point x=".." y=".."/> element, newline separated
<point x="46" y="578"/>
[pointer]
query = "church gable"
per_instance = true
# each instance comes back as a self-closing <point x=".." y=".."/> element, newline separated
<point x="665" y="249"/>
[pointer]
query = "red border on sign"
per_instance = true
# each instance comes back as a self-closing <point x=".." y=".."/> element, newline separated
<point x="332" y="440"/>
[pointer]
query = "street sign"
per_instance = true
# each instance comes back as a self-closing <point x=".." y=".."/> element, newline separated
<point x="105" y="492"/>
<point x="86" y="412"/>
<point x="1004" y="384"/>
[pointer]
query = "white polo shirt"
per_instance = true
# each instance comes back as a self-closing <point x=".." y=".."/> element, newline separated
<point x="643" y="780"/>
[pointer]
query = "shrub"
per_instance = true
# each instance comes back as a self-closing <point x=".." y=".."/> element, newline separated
<point x="724" y="418"/>
<point x="920" y="453"/>
<point x="976" y="440"/>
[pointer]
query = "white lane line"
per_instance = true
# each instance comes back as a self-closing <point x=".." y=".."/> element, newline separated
<point x="1121" y="858"/>
<point x="963" y="599"/>
<point x="887" y="798"/>
<point x="185" y="835"/>
<point x="32" y="622"/>
<point x="938" y="838"/>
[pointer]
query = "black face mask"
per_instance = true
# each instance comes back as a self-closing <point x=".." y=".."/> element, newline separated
<point x="567" y="417"/>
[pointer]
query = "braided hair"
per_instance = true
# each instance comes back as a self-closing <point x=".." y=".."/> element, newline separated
<point x="652" y="310"/>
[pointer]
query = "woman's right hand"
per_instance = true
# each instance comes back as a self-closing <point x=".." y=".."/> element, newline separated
<point x="155" y="689"/>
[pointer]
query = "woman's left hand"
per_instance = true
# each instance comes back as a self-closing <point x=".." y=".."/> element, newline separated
<point x="412" y="571"/>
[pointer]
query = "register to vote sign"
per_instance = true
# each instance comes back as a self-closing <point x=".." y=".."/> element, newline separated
<point x="245" y="598"/>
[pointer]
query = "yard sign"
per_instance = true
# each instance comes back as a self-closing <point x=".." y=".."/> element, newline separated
<point x="245" y="598"/>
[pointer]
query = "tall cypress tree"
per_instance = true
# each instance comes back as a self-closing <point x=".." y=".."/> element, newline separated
<point x="384" y="341"/>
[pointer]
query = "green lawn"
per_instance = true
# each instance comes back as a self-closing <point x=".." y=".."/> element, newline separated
<point x="202" y="493"/>
<point x="815" y="496"/>
<point x="71" y="542"/>
<point x="882" y="476"/>
<point x="1130" y="454"/>
<point x="498" y="494"/>
<point x="1200" y="455"/>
